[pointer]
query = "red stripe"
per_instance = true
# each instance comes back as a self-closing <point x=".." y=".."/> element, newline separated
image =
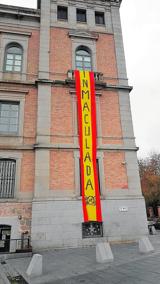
<point x="78" y="92"/>
<point x="94" y="146"/>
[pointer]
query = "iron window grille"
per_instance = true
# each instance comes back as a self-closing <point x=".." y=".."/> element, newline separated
<point x="13" y="58"/>
<point x="7" y="178"/>
<point x="62" y="13"/>
<point x="83" y="60"/>
<point x="9" y="117"/>
<point x="92" y="230"/>
<point x="99" y="18"/>
<point x="81" y="16"/>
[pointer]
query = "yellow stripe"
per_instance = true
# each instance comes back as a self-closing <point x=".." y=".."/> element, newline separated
<point x="89" y="183"/>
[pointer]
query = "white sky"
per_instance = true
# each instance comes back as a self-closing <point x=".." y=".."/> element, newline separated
<point x="141" y="33"/>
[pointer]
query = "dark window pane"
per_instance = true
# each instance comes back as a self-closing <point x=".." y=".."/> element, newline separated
<point x="18" y="57"/>
<point x="14" y="106"/>
<point x="17" y="68"/>
<point x="98" y="173"/>
<point x="4" y="120"/>
<point x="5" y="106"/>
<point x="13" y="128"/>
<point x="82" y="52"/>
<point x="9" y="62"/>
<point x="62" y="13"/>
<point x="87" y="59"/>
<point x="87" y="64"/>
<point x="81" y="15"/>
<point x="9" y="114"/>
<point x="3" y="128"/>
<point x="8" y="68"/>
<point x="17" y="63"/>
<point x="79" y="64"/>
<point x="83" y="60"/>
<point x="14" y="50"/>
<point x="13" y="59"/>
<point x="99" y="18"/>
<point x="9" y="56"/>
<point x="79" y="58"/>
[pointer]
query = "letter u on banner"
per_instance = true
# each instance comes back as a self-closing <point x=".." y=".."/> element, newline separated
<point x="85" y="90"/>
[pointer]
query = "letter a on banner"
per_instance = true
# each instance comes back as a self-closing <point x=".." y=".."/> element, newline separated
<point x="85" y="89"/>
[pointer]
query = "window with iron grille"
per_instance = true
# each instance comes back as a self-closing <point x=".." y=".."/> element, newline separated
<point x="7" y="178"/>
<point x="83" y="59"/>
<point x="13" y="58"/>
<point x="9" y="117"/>
<point x="62" y="13"/>
<point x="99" y="18"/>
<point x="81" y="16"/>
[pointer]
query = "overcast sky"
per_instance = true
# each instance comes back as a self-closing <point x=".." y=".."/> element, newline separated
<point x="141" y="33"/>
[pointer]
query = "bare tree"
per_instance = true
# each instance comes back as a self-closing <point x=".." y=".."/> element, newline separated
<point x="149" y="169"/>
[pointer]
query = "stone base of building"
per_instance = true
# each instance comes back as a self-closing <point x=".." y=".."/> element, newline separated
<point x="58" y="223"/>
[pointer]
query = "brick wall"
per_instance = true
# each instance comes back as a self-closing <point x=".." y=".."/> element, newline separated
<point x="33" y="55"/>
<point x="23" y="210"/>
<point x="60" y="53"/>
<point x="61" y="116"/>
<point x="106" y="61"/>
<point x="27" y="171"/>
<point x="115" y="170"/>
<point x="110" y="118"/>
<point x="30" y="116"/>
<point x="62" y="170"/>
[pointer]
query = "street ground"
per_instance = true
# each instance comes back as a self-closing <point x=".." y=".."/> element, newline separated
<point x="74" y="266"/>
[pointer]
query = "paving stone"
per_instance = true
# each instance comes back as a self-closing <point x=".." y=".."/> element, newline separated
<point x="75" y="266"/>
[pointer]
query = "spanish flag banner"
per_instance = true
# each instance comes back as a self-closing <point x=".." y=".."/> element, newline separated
<point x="85" y="89"/>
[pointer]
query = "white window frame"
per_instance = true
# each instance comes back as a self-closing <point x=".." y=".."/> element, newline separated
<point x="89" y="45"/>
<point x="12" y="45"/>
<point x="8" y="39"/>
<point x="19" y="98"/>
<point x="83" y="48"/>
<point x="8" y="133"/>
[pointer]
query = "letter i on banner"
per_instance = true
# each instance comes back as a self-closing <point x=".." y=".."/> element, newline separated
<point x="85" y="90"/>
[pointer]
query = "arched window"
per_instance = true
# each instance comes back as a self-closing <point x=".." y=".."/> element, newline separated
<point x="13" y="58"/>
<point x="83" y="59"/>
<point x="7" y="178"/>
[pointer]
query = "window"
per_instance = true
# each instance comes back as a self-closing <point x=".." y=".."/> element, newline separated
<point x="62" y="13"/>
<point x="99" y="18"/>
<point x="83" y="59"/>
<point x="13" y="58"/>
<point x="98" y="173"/>
<point x="7" y="178"/>
<point x="9" y="117"/>
<point x="81" y="16"/>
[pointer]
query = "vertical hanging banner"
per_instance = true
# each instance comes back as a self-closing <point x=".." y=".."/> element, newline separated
<point x="85" y="90"/>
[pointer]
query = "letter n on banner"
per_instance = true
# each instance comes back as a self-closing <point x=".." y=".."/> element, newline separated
<point x="85" y="90"/>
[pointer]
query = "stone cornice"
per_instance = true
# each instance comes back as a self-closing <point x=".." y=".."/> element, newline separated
<point x="100" y="85"/>
<point x="83" y="34"/>
<point x="104" y="147"/>
<point x="17" y="32"/>
<point x="19" y="11"/>
<point x="89" y="2"/>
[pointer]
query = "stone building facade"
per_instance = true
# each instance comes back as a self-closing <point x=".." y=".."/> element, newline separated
<point x="39" y="148"/>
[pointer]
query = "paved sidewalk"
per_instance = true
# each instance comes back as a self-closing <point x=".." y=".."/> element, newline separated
<point x="73" y="266"/>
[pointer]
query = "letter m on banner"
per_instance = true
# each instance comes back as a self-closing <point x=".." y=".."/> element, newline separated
<point x="85" y="90"/>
